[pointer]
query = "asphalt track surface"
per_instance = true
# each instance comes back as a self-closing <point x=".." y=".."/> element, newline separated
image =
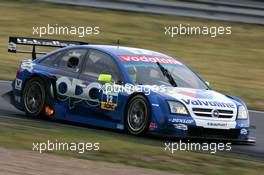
<point x="255" y="151"/>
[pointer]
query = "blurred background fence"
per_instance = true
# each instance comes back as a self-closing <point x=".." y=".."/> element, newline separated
<point x="246" y="11"/>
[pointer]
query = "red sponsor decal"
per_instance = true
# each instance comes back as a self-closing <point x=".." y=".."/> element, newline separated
<point x="148" y="59"/>
<point x="153" y="126"/>
<point x="190" y="94"/>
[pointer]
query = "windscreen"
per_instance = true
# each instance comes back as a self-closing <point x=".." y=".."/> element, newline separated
<point x="145" y="71"/>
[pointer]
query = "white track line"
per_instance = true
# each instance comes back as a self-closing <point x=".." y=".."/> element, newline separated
<point x="253" y="111"/>
<point x="5" y="81"/>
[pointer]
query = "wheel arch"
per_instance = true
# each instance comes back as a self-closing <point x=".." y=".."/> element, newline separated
<point x="49" y="80"/>
<point x="34" y="75"/>
<point x="133" y="95"/>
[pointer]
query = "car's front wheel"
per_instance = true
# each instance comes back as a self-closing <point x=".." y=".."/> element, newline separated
<point x="138" y="115"/>
<point x="34" y="97"/>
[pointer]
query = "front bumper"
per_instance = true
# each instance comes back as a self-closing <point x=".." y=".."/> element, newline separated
<point x="230" y="135"/>
<point x="187" y="127"/>
<point x="239" y="134"/>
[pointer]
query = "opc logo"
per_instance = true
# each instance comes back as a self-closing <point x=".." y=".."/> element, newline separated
<point x="76" y="89"/>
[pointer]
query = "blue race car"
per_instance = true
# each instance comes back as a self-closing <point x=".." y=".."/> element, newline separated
<point x="123" y="88"/>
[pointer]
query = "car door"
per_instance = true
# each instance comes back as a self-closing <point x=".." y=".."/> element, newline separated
<point x="65" y="67"/>
<point x="96" y="63"/>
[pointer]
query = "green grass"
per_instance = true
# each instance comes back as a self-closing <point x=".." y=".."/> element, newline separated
<point x="121" y="148"/>
<point x="233" y="64"/>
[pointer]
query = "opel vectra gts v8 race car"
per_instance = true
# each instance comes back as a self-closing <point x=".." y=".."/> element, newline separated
<point x="123" y="88"/>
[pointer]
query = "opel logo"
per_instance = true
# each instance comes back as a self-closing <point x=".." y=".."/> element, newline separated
<point x="215" y="113"/>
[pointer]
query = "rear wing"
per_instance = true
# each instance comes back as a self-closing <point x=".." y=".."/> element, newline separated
<point x="14" y="41"/>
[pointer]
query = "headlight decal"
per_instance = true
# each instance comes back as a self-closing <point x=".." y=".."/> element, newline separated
<point x="177" y="107"/>
<point x="242" y="112"/>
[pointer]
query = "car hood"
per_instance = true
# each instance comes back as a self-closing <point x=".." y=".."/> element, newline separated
<point x="199" y="98"/>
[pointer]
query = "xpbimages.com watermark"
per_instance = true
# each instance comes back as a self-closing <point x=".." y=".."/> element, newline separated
<point x="188" y="30"/>
<point x="212" y="148"/>
<point x="79" y="31"/>
<point x="80" y="147"/>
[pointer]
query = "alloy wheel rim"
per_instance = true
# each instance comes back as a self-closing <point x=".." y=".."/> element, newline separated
<point x="34" y="98"/>
<point x="137" y="115"/>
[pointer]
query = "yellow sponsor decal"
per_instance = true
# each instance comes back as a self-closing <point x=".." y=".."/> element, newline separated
<point x="108" y="106"/>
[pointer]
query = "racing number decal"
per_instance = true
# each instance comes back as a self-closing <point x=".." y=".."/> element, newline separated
<point x="109" y="98"/>
<point x="109" y="102"/>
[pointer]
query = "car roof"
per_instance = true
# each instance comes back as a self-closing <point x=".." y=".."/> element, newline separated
<point x="121" y="50"/>
<point x="118" y="51"/>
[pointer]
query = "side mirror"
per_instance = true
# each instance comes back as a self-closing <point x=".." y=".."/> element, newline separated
<point x="131" y="70"/>
<point x="132" y="73"/>
<point x="208" y="83"/>
<point x="105" y="78"/>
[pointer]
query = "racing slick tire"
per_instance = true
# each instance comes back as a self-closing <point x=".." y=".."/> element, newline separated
<point x="34" y="97"/>
<point x="138" y="115"/>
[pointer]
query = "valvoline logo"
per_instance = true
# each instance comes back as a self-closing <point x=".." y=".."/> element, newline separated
<point x="197" y="94"/>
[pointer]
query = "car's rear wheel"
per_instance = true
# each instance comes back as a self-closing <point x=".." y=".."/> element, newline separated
<point x="34" y="97"/>
<point x="138" y="115"/>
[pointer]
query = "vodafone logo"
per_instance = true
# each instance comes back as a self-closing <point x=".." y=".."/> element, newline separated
<point x="148" y="59"/>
